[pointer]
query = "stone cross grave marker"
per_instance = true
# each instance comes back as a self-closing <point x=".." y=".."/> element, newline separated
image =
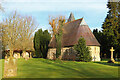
<point x="112" y="53"/>
<point x="112" y="59"/>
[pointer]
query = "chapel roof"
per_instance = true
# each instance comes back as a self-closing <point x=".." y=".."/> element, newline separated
<point x="73" y="30"/>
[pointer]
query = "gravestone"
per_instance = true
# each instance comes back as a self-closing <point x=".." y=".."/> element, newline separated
<point x="112" y="59"/>
<point x="15" y="56"/>
<point x="23" y="54"/>
<point x="26" y="56"/>
<point x="18" y="55"/>
<point x="10" y="67"/>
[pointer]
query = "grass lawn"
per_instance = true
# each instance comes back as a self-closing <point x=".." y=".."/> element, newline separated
<point x="0" y="69"/>
<point x="43" y="68"/>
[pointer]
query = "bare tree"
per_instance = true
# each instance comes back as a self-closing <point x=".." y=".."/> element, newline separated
<point x="55" y="24"/>
<point x="1" y="46"/>
<point x="17" y="32"/>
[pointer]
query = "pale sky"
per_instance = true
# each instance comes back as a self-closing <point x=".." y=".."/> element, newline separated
<point x="93" y="11"/>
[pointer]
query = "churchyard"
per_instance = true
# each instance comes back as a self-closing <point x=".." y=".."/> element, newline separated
<point x="44" y="68"/>
<point x="67" y="49"/>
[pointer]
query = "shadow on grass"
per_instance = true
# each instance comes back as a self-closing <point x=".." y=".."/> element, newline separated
<point x="59" y="63"/>
<point x="110" y="64"/>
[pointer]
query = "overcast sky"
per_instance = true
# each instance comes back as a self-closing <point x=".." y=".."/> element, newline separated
<point x="93" y="11"/>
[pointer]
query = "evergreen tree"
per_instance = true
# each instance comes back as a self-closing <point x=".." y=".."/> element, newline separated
<point x="41" y="41"/>
<point x="111" y="28"/>
<point x="82" y="50"/>
<point x="102" y="40"/>
<point x="119" y="19"/>
<point x="37" y="42"/>
<point x="45" y="42"/>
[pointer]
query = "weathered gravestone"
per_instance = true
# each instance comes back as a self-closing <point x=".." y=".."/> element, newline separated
<point x="18" y="55"/>
<point x="25" y="55"/>
<point x="10" y="67"/>
<point x="15" y="56"/>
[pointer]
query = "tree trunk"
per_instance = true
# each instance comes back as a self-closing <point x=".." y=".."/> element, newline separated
<point x="11" y="53"/>
<point x="30" y="54"/>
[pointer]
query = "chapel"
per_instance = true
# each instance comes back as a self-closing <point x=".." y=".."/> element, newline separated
<point x="73" y="30"/>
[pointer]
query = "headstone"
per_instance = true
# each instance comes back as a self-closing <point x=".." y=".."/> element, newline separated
<point x="15" y="56"/>
<point x="10" y="67"/>
<point x="112" y="59"/>
<point x="23" y="54"/>
<point x="18" y="55"/>
<point x="26" y="56"/>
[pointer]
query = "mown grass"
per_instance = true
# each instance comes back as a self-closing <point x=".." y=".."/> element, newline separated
<point x="43" y="68"/>
<point x="1" y="68"/>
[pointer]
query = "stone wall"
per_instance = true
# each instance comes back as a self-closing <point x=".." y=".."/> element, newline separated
<point x="67" y="51"/>
<point x="52" y="52"/>
<point x="95" y="53"/>
<point x="68" y="54"/>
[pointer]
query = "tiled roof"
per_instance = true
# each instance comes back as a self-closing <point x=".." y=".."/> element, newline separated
<point x="73" y="31"/>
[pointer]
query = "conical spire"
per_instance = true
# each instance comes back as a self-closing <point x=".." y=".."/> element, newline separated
<point x="71" y="17"/>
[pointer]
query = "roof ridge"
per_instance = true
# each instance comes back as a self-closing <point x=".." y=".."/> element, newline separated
<point x="73" y="21"/>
